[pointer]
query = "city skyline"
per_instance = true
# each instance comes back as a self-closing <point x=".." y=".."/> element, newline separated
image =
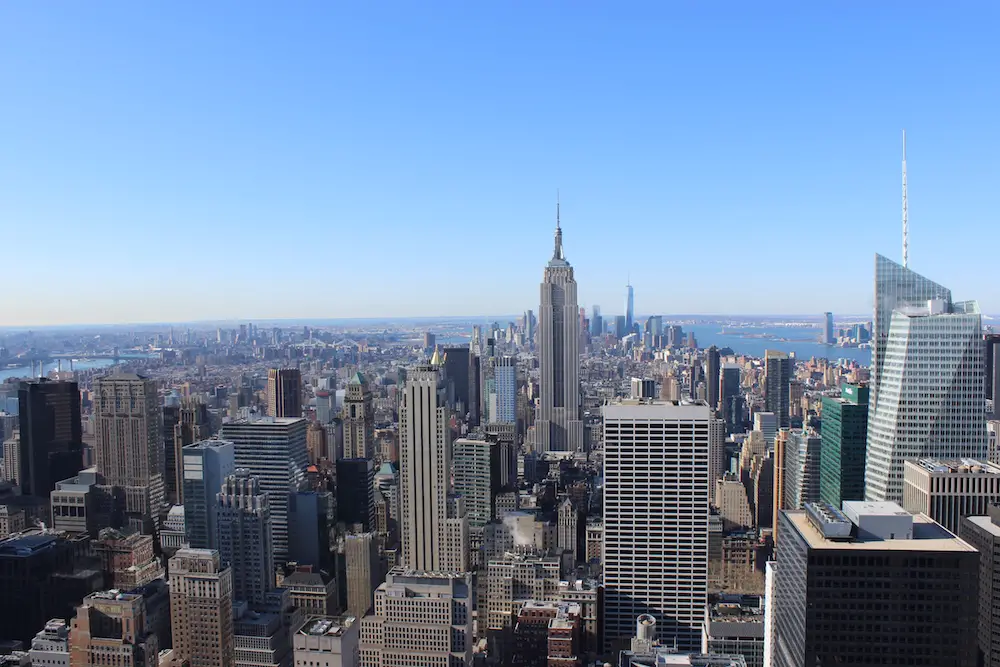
<point x="409" y="123"/>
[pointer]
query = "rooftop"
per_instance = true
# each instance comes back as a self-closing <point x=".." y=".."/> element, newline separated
<point x="329" y="626"/>
<point x="928" y="535"/>
<point x="951" y="466"/>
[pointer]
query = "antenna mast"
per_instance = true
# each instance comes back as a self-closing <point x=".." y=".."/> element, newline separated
<point x="906" y="222"/>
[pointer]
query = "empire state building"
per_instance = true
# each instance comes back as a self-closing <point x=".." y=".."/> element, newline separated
<point x="558" y="426"/>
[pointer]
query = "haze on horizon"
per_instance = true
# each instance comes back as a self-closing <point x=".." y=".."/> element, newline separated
<point x="235" y="161"/>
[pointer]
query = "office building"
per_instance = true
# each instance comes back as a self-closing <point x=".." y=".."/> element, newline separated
<point x="734" y="507"/>
<point x="420" y="618"/>
<point x="844" y="434"/>
<point x="316" y="446"/>
<point x="992" y="368"/>
<point x="189" y="423"/>
<point x="501" y="403"/>
<point x="12" y="457"/>
<point x="50" y="647"/>
<point x="948" y="490"/>
<point x="110" y="629"/>
<point x="829" y="336"/>
<point x="425" y="469"/>
<point x="310" y="518"/>
<point x="201" y="609"/>
<point x="778" y="487"/>
<point x="851" y="587"/>
<point x="75" y="505"/>
<point x="205" y="466"/>
<point x="983" y="533"/>
<point x="801" y="475"/>
<point x="127" y="561"/>
<point x="629" y="308"/>
<point x="712" y="367"/>
<point x="895" y="287"/>
<point x="596" y="322"/>
<point x="244" y="525"/>
<point x="930" y="393"/>
<point x="766" y="423"/>
<point x="326" y="641"/>
<point x="128" y="449"/>
<point x="364" y="572"/>
<point x="777" y="378"/>
<point x="284" y="393"/>
<point x="483" y="467"/>
<point x="558" y="426"/>
<point x="513" y="578"/>
<point x="730" y="397"/>
<point x="458" y="372"/>
<point x="51" y="434"/>
<point x="358" y="417"/>
<point x="315" y="593"/>
<point x="356" y="494"/>
<point x="734" y="625"/>
<point x="273" y="449"/>
<point x="656" y="493"/>
<point x="47" y="575"/>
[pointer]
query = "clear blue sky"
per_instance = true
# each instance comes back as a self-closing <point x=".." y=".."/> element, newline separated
<point x="208" y="160"/>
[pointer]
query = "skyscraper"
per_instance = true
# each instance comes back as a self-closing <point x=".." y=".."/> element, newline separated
<point x="128" y="449"/>
<point x="558" y="426"/>
<point x="359" y="419"/>
<point x="845" y="435"/>
<point x="656" y="518"/>
<point x="273" y="449"/>
<point x="284" y="392"/>
<point x="596" y="322"/>
<point x="501" y="405"/>
<point x="777" y="377"/>
<point x="993" y="372"/>
<point x="730" y="396"/>
<point x="712" y="366"/>
<point x="895" y="287"/>
<point x="51" y="448"/>
<point x="457" y="364"/>
<point x="363" y="571"/>
<point x="930" y="392"/>
<point x="629" y="308"/>
<point x="201" y="609"/>
<point x="356" y="494"/>
<point x="425" y="468"/>
<point x="828" y="335"/>
<point x="244" y="525"/>
<point x="205" y="466"/>
<point x="983" y="533"/>
<point x="851" y="587"/>
<point x="192" y="425"/>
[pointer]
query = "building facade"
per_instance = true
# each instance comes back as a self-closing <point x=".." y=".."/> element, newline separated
<point x="51" y="434"/>
<point x="284" y="393"/>
<point x="205" y="466"/>
<point x="358" y="416"/>
<point x="948" y="490"/>
<point x="244" y="525"/>
<point x="777" y="380"/>
<point x="656" y="495"/>
<point x="558" y="426"/>
<point x="273" y="449"/>
<point x="128" y="449"/>
<point x="201" y="609"/>
<point x="850" y="588"/>
<point x="844" y="437"/>
<point x="929" y="401"/>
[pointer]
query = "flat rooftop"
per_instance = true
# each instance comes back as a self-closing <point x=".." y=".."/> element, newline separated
<point x="927" y="536"/>
<point x="327" y="626"/>
<point x="955" y="466"/>
<point x="985" y="523"/>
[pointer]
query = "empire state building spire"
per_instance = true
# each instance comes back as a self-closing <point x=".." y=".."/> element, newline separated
<point x="557" y="252"/>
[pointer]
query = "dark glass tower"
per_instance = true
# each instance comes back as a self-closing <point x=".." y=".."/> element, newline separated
<point x="51" y="434"/>
<point x="845" y="438"/>
<point x="777" y="378"/>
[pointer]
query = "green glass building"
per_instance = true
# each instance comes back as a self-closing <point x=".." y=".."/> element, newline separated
<point x="842" y="455"/>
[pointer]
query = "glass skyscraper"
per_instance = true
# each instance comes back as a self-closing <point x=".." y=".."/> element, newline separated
<point x="845" y="435"/>
<point x="928" y="368"/>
